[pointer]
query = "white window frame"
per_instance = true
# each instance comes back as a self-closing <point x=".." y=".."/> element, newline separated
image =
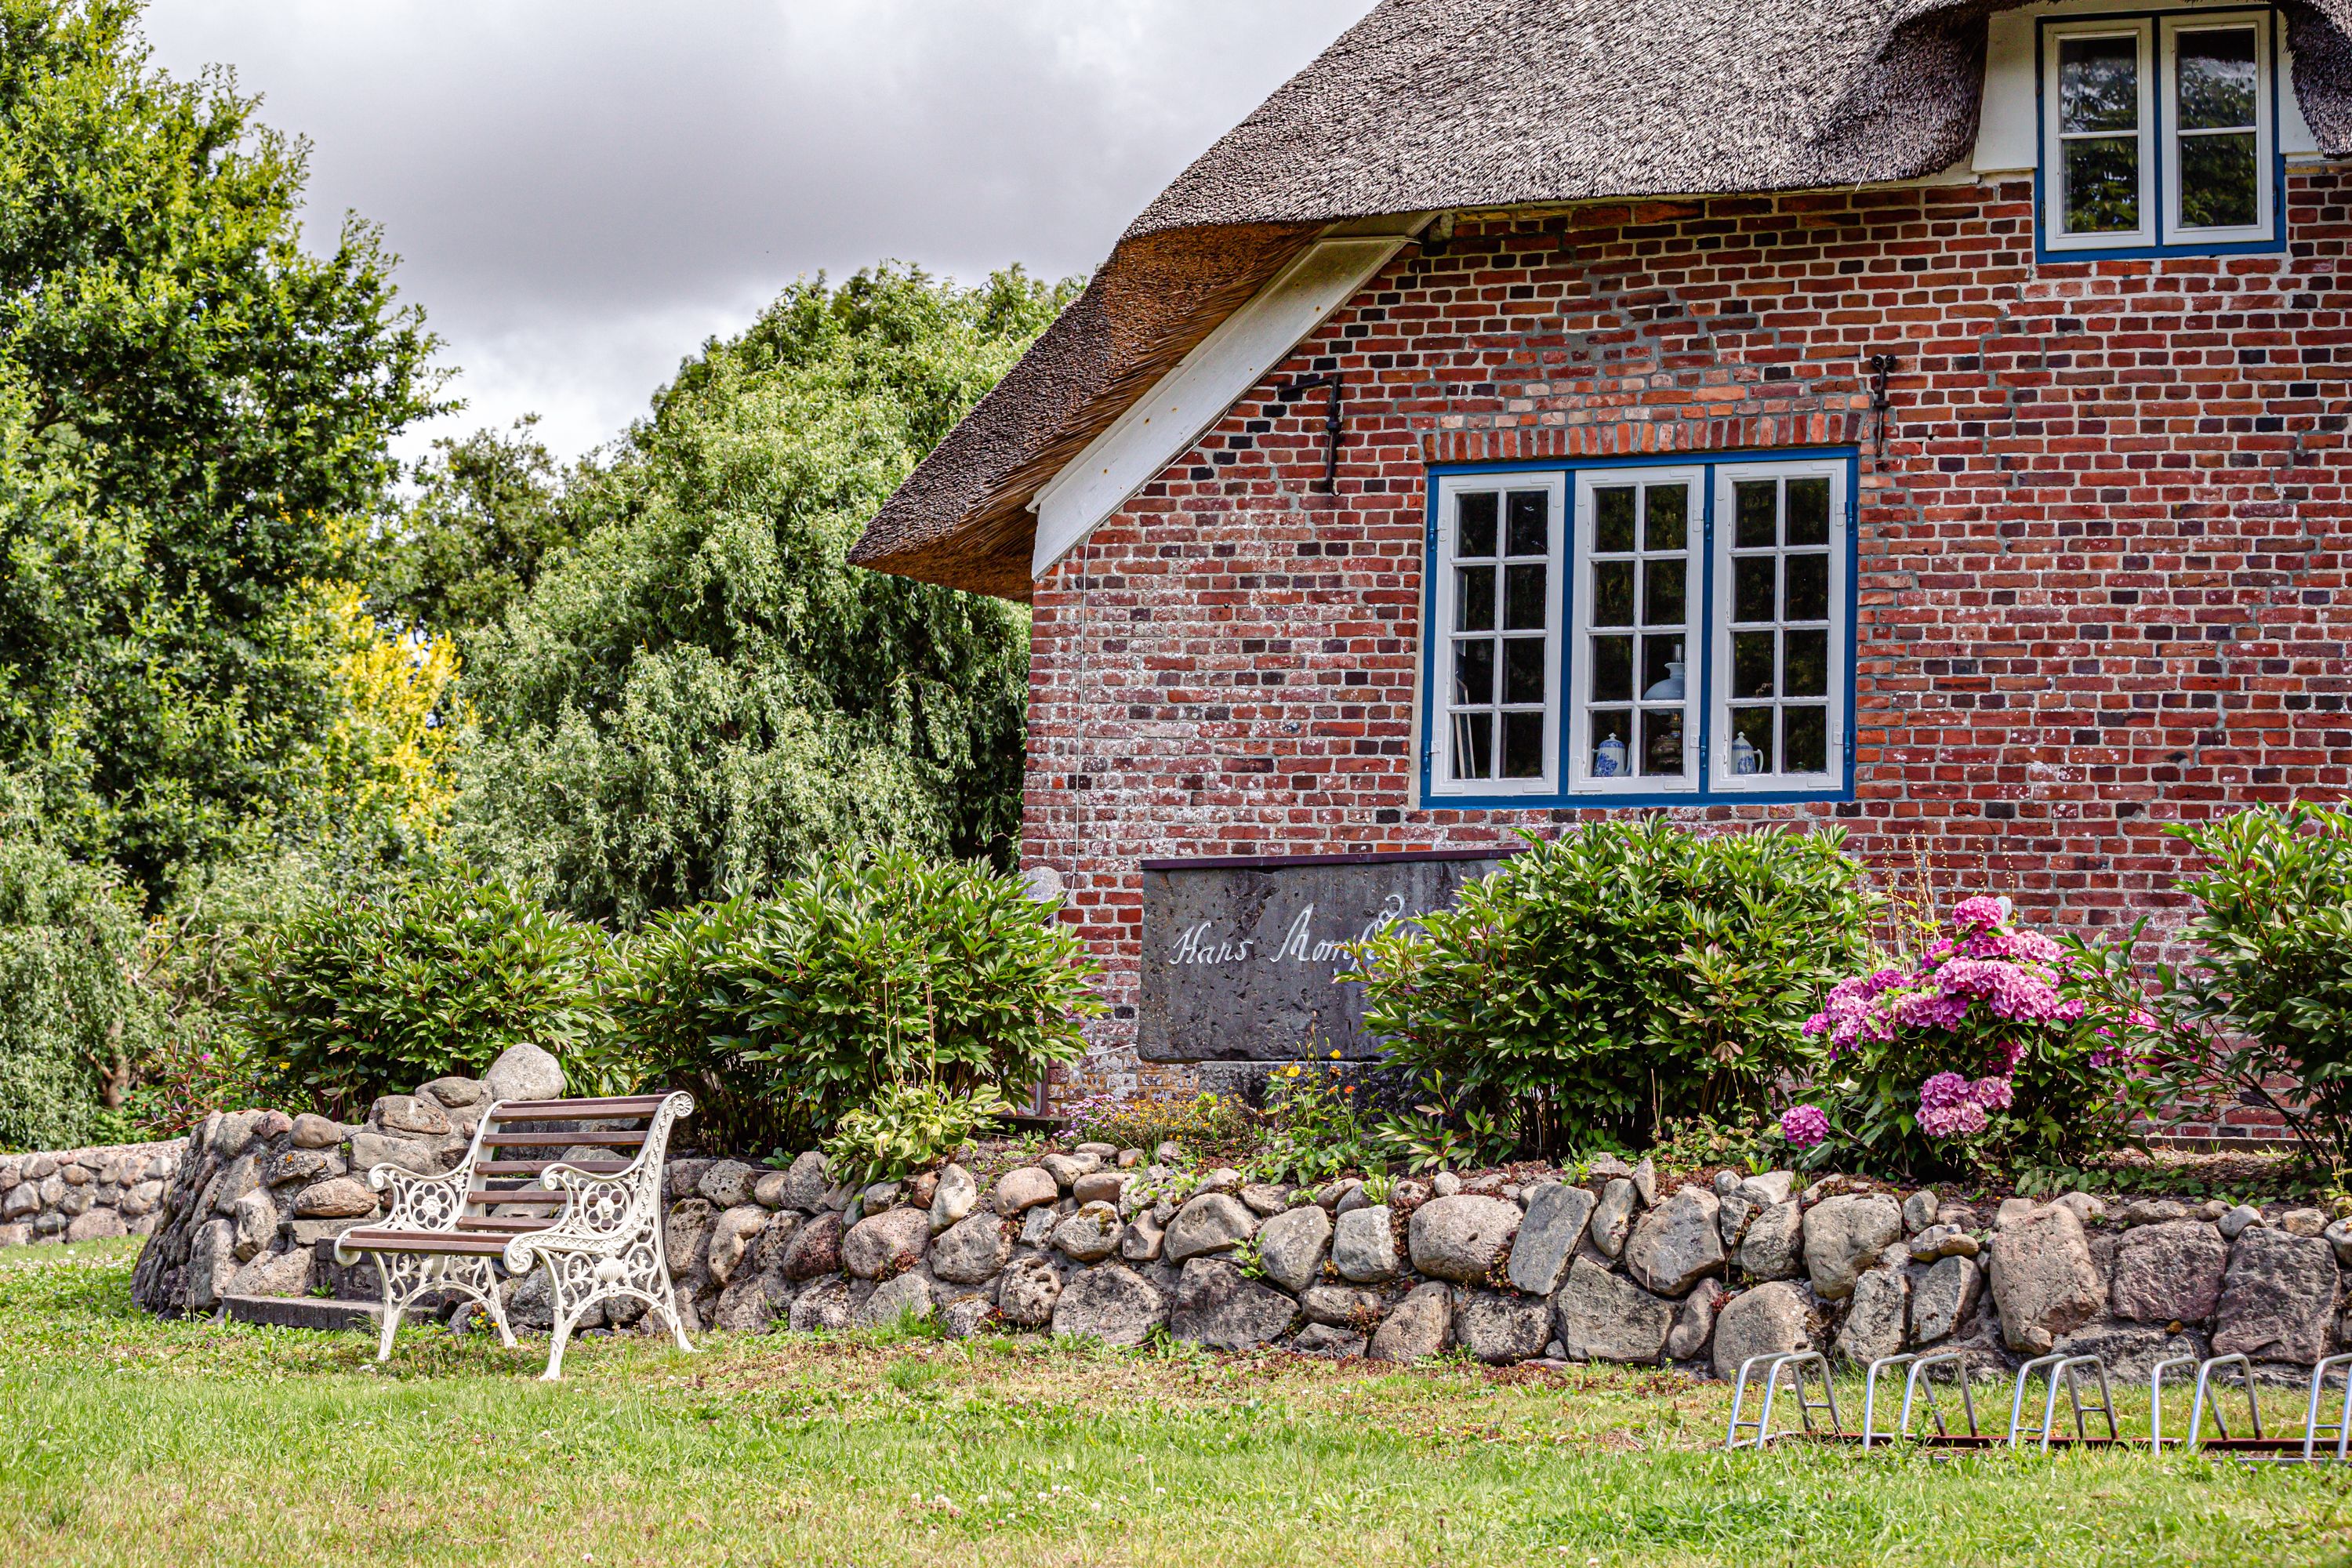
<point x="1721" y="779"/>
<point x="2055" y="236"/>
<point x="2265" y="127"/>
<point x="1578" y="692"/>
<point x="1438" y="728"/>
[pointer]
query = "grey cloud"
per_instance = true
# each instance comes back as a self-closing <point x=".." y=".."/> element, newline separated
<point x="581" y="191"/>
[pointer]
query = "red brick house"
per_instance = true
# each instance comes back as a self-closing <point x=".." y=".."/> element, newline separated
<point x="1923" y="416"/>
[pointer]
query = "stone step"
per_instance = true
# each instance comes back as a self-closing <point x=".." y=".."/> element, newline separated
<point x="302" y="1312"/>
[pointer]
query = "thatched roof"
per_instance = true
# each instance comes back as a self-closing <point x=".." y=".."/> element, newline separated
<point x="1439" y="105"/>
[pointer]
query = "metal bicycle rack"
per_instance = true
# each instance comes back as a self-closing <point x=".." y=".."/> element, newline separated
<point x="2197" y="1408"/>
<point x="2342" y="1425"/>
<point x="1789" y="1372"/>
<point x="1796" y="1363"/>
<point x="2069" y="1367"/>
<point x="1919" y="1362"/>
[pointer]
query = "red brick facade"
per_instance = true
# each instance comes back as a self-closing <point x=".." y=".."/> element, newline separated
<point x="2101" y="547"/>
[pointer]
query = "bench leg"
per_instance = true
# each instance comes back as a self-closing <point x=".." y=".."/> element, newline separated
<point x="571" y="1287"/>
<point x="392" y="1271"/>
<point x="478" y="1279"/>
<point x="665" y="1303"/>
<point x="498" y="1311"/>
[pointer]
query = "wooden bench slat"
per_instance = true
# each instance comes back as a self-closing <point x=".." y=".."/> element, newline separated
<point x="421" y="1241"/>
<point x="490" y="1197"/>
<point x="533" y="1167"/>
<point x="563" y="1140"/>
<point x="504" y="1224"/>
<point x="615" y="1109"/>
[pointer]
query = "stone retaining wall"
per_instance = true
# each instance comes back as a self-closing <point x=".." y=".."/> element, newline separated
<point x="80" y="1195"/>
<point x="259" y="1189"/>
<point x="1619" y="1267"/>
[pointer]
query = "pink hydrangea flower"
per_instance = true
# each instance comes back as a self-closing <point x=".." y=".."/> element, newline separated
<point x="1993" y="1093"/>
<point x="1972" y="914"/>
<point x="1961" y="1121"/>
<point x="1944" y="1091"/>
<point x="1804" y="1126"/>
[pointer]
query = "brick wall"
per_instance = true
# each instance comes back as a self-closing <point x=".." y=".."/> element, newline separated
<point x="2102" y="546"/>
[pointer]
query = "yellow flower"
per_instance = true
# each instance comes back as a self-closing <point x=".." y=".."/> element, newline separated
<point x="1335" y="1056"/>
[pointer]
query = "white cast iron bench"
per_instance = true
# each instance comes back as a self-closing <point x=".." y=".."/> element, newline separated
<point x="602" y="1242"/>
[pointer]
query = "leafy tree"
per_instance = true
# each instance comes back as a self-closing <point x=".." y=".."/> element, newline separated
<point x="702" y="692"/>
<point x="72" y="1019"/>
<point x="193" y="418"/>
<point x="487" y="512"/>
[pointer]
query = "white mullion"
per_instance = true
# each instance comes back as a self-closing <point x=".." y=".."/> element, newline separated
<point x="2265" y="136"/>
<point x="2053" y="139"/>
<point x="1579" y="697"/>
<point x="1441" y="637"/>
<point x="1838" y="627"/>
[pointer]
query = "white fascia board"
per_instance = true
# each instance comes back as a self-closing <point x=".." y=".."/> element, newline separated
<point x="1233" y="357"/>
<point x="2007" y="123"/>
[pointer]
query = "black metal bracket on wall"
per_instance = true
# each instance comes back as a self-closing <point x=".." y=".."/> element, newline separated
<point x="1332" y="422"/>
<point x="1881" y="367"/>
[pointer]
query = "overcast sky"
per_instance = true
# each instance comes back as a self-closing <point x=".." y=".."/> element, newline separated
<point x="583" y="189"/>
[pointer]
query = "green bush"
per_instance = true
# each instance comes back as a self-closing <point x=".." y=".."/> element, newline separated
<point x="1627" y="973"/>
<point x="782" y="1014"/>
<point x="908" y="1127"/>
<point x="2268" y="998"/>
<point x="73" y="1020"/>
<point x="373" y="994"/>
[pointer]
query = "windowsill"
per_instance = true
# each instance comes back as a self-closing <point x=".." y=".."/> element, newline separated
<point x="2045" y="254"/>
<point x="1614" y="800"/>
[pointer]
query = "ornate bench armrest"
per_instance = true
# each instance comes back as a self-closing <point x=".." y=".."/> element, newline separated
<point x="600" y="1214"/>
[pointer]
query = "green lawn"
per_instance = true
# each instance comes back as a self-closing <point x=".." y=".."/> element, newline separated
<point x="127" y="1440"/>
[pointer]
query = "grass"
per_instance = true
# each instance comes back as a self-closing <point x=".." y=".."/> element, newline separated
<point x="123" y="1439"/>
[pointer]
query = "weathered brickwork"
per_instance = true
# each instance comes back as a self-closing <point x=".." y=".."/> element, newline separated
<point x="2102" y="542"/>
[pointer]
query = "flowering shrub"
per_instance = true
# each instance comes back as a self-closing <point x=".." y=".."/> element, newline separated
<point x="1994" y="1041"/>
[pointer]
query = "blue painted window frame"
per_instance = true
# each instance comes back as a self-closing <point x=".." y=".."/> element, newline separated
<point x="1428" y="707"/>
<point x="2275" y="33"/>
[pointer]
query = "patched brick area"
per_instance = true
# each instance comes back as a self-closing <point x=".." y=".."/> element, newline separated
<point x="2102" y="542"/>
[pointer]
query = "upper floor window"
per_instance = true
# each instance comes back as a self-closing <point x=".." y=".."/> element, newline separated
<point x="2158" y="133"/>
<point x="1611" y="635"/>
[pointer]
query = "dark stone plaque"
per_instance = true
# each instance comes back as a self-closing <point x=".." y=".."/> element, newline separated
<point x="1241" y="958"/>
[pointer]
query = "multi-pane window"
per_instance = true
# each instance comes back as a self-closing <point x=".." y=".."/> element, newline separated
<point x="1677" y="630"/>
<point x="1499" y="602"/>
<point x="1777" y="630"/>
<point x="1637" y="578"/>
<point x="2158" y="133"/>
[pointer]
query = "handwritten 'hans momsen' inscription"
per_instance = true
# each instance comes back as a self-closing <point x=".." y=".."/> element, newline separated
<point x="1201" y="944"/>
<point x="1242" y="963"/>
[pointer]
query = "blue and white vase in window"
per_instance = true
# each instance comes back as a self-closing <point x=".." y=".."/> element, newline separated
<point x="1744" y="759"/>
<point x="1670" y="689"/>
<point x="1609" y="759"/>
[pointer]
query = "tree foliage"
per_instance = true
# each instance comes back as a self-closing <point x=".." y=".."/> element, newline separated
<point x="193" y="418"/>
<point x="702" y="692"/>
<point x="72" y="1018"/>
<point x="487" y="515"/>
